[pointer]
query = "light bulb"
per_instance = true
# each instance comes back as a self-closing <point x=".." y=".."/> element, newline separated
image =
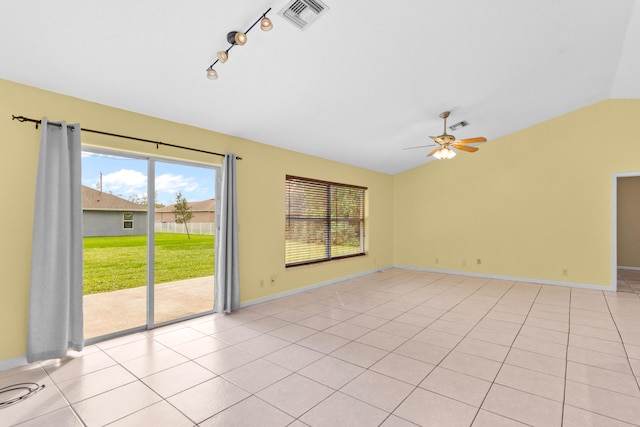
<point x="212" y="74"/>
<point x="240" y="38"/>
<point x="448" y="153"/>
<point x="222" y="56"/>
<point x="236" y="37"/>
<point x="444" y="153"/>
<point x="266" y="24"/>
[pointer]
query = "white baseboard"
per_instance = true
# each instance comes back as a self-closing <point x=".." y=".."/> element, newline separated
<point x="622" y="267"/>
<point x="515" y="279"/>
<point x="311" y="287"/>
<point x="7" y="364"/>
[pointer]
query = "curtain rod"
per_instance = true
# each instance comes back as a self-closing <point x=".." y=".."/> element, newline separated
<point x="38" y="122"/>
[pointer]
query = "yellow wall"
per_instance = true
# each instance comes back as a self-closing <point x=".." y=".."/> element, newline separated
<point x="628" y="226"/>
<point x="535" y="204"/>
<point x="261" y="177"/>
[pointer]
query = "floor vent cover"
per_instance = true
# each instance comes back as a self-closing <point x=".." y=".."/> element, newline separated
<point x="302" y="13"/>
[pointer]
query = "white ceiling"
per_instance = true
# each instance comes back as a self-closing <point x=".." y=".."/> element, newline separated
<point x="366" y="80"/>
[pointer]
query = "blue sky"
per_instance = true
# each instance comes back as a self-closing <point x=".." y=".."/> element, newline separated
<point x="126" y="177"/>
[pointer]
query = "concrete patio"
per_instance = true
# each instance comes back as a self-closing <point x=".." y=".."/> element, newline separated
<point x="110" y="312"/>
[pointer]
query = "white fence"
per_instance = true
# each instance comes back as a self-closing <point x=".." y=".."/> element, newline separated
<point x="194" y="228"/>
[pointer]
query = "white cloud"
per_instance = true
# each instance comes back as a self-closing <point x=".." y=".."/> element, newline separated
<point x="126" y="182"/>
<point x="170" y="183"/>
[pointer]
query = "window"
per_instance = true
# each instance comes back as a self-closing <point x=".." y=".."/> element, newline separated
<point x="127" y="220"/>
<point x="324" y="221"/>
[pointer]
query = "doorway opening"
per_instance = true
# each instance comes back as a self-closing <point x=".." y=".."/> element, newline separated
<point x="626" y="232"/>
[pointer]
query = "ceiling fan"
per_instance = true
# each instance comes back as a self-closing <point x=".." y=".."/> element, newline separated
<point x="446" y="142"/>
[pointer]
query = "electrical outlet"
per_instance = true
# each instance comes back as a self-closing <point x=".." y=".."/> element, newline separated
<point x="565" y="271"/>
<point x="262" y="283"/>
<point x="437" y="261"/>
<point x="479" y="261"/>
<point x="273" y="280"/>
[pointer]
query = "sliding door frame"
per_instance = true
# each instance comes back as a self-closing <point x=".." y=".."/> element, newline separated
<point x="150" y="249"/>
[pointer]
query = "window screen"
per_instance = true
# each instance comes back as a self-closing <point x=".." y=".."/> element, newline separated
<point x="324" y="221"/>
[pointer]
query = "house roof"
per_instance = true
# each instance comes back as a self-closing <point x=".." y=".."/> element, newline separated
<point x="202" y="206"/>
<point x="362" y="83"/>
<point x="97" y="200"/>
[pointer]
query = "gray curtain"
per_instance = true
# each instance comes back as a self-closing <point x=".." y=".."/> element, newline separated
<point x="55" y="302"/>
<point x="227" y="281"/>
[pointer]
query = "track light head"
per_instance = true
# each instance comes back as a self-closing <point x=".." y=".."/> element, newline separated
<point x="237" y="38"/>
<point x="266" y="24"/>
<point x="241" y="38"/>
<point x="212" y="74"/>
<point x="223" y="56"/>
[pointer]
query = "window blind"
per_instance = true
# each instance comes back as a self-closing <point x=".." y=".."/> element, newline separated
<point x="324" y="221"/>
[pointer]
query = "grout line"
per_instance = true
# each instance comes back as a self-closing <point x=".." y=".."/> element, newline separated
<point x="633" y="374"/>
<point x="566" y="360"/>
<point x="356" y="289"/>
<point x="507" y="355"/>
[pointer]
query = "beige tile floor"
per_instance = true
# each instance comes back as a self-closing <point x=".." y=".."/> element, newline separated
<point x="629" y="280"/>
<point x="396" y="348"/>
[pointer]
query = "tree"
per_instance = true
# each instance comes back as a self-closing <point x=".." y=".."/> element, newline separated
<point x="142" y="200"/>
<point x="182" y="212"/>
<point x="139" y="199"/>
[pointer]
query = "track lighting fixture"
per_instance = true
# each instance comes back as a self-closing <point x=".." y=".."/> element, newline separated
<point x="238" y="38"/>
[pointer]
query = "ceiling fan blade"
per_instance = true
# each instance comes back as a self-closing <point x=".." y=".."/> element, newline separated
<point x="434" y="151"/>
<point x="465" y="148"/>
<point x="419" y="146"/>
<point x="472" y="140"/>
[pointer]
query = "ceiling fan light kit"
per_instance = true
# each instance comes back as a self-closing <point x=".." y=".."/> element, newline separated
<point x="238" y="38"/>
<point x="444" y="153"/>
<point x="447" y="142"/>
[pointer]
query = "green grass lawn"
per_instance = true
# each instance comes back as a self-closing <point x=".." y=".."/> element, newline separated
<point x="112" y="263"/>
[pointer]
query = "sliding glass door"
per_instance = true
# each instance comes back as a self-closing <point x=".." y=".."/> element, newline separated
<point x="148" y="242"/>
<point x="183" y="240"/>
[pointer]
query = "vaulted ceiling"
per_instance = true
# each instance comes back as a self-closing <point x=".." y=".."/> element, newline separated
<point x="366" y="80"/>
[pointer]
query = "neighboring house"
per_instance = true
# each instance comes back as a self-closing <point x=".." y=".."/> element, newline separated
<point x="104" y="214"/>
<point x="203" y="212"/>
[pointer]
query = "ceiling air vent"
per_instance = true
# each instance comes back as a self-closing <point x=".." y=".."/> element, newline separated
<point x="302" y="13"/>
<point x="459" y="125"/>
